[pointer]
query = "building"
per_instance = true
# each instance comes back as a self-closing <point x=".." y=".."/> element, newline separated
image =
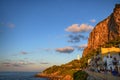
<point x="114" y="52"/>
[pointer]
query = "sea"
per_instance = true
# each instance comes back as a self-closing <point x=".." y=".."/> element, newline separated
<point x="19" y="76"/>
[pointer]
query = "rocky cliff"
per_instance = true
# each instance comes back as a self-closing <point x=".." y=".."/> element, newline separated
<point x="104" y="31"/>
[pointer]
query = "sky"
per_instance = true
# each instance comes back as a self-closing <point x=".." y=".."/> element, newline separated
<point x="36" y="34"/>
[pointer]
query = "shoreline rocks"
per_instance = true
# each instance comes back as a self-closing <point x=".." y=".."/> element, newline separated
<point x="49" y="76"/>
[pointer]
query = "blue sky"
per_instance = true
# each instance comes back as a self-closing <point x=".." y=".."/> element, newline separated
<point x="36" y="34"/>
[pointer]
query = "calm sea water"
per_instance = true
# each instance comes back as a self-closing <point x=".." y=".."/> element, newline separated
<point x="19" y="76"/>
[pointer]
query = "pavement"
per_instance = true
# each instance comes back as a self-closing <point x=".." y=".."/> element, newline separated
<point x="102" y="76"/>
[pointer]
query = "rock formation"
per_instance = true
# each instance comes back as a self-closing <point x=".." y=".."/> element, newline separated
<point x="105" y="31"/>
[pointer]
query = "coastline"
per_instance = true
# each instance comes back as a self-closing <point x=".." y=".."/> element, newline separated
<point x="49" y="76"/>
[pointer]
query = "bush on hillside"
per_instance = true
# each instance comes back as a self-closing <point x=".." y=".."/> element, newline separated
<point x="80" y="75"/>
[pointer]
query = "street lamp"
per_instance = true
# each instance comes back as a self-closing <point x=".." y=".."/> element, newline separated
<point x="119" y="49"/>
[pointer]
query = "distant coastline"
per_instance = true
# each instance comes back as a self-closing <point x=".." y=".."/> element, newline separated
<point x="48" y="76"/>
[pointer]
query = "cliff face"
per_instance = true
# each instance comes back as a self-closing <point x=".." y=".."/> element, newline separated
<point x="105" y="31"/>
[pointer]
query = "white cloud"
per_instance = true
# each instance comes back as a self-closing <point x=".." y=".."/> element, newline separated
<point x="79" y="28"/>
<point x="65" y="50"/>
<point x="7" y="64"/>
<point x="17" y="64"/>
<point x="93" y="20"/>
<point x="82" y="46"/>
<point x="44" y="63"/>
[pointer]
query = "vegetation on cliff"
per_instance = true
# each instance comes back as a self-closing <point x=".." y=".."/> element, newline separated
<point x="65" y="69"/>
<point x="68" y="71"/>
<point x="112" y="43"/>
<point x="80" y="75"/>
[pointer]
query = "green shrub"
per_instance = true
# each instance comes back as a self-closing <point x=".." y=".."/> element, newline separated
<point x="80" y="75"/>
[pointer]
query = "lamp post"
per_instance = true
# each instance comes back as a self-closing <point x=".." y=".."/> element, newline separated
<point x="119" y="50"/>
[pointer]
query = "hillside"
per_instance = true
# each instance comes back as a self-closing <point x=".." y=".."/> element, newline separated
<point x="65" y="71"/>
<point x="73" y="65"/>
